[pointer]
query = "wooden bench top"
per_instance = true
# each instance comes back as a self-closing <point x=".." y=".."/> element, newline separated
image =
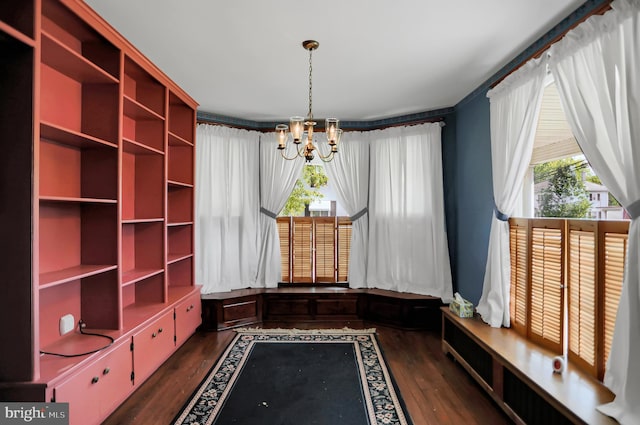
<point x="574" y="389"/>
<point x="313" y="290"/>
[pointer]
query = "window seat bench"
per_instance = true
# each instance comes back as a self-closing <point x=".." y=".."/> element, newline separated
<point x="518" y="375"/>
<point x="244" y="307"/>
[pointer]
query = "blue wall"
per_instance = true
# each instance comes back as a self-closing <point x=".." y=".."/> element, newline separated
<point x="470" y="171"/>
<point x="449" y="186"/>
<point x="467" y="169"/>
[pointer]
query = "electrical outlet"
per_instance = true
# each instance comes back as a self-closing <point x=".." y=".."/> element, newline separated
<point x="67" y="323"/>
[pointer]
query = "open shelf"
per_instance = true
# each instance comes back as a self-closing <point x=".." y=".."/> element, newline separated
<point x="180" y="205"/>
<point x="70" y="34"/>
<point x="143" y="300"/>
<point x="175" y="140"/>
<point x="69" y="137"/>
<point x="8" y="32"/>
<point x="72" y="64"/>
<point x="138" y="111"/>
<point x="136" y="275"/>
<point x="72" y="273"/>
<point x="177" y="185"/>
<point x="17" y="15"/>
<point x="136" y="148"/>
<point x="73" y="173"/>
<point x="181" y="164"/>
<point x="142" y="251"/>
<point x="180" y="242"/>
<point x="93" y="299"/>
<point x="77" y="200"/>
<point x="181" y="119"/>
<point x="181" y="272"/>
<point x="142" y="90"/>
<point x="79" y="79"/>
<point x="174" y="258"/>
<point x="142" y="186"/>
<point x="143" y="128"/>
<point x="71" y="105"/>
<point x="76" y="239"/>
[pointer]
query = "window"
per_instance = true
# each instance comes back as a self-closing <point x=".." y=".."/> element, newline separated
<point x="314" y="249"/>
<point x="566" y="273"/>
<point x="587" y="258"/>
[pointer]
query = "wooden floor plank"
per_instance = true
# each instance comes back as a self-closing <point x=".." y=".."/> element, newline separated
<point x="436" y="390"/>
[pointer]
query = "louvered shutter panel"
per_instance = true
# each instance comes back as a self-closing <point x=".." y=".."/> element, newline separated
<point x="302" y="249"/>
<point x="325" y="248"/>
<point x="546" y="282"/>
<point x="284" y="232"/>
<point x="518" y="237"/>
<point x="614" y="237"/>
<point x="344" y="248"/>
<point x="582" y="292"/>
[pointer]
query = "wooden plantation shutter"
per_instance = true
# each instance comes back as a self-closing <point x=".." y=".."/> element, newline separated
<point x="325" y="248"/>
<point x="302" y="249"/>
<point x="582" y="291"/>
<point x="595" y="253"/>
<point x="284" y="231"/>
<point x="518" y="243"/>
<point x="314" y="249"/>
<point x="613" y="237"/>
<point x="546" y="282"/>
<point x="344" y="248"/>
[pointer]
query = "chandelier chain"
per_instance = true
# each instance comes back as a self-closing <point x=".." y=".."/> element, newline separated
<point x="310" y="115"/>
<point x="300" y="128"/>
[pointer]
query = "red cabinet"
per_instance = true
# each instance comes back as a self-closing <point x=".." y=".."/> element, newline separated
<point x="188" y="318"/>
<point x="95" y="391"/>
<point x="152" y="346"/>
<point x="100" y="160"/>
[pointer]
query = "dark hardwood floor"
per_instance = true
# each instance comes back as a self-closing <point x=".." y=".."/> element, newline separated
<point x="435" y="389"/>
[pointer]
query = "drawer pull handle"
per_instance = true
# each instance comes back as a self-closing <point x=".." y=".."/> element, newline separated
<point x="160" y="330"/>
<point x="190" y="307"/>
<point x="153" y="335"/>
<point x="106" y="371"/>
<point x="95" y="380"/>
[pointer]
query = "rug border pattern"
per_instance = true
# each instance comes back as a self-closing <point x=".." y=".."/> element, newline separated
<point x="381" y="401"/>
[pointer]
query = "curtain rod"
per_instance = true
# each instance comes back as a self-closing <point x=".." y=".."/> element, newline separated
<point x="321" y="130"/>
<point x="539" y="52"/>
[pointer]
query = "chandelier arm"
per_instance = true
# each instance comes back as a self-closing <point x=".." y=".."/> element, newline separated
<point x="286" y="157"/>
<point x="326" y="158"/>
<point x="299" y="153"/>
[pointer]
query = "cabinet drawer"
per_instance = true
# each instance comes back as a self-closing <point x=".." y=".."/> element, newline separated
<point x="99" y="388"/>
<point x="152" y="345"/>
<point x="188" y="317"/>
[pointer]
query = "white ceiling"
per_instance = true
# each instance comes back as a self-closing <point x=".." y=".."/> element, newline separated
<point x="377" y="58"/>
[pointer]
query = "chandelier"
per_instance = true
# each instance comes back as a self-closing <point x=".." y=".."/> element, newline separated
<point x="302" y="128"/>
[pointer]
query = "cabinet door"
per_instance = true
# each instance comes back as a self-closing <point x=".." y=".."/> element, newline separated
<point x="152" y="345"/>
<point x="188" y="317"/>
<point x="99" y="388"/>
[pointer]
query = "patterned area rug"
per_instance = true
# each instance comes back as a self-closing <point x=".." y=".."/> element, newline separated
<point x="298" y="377"/>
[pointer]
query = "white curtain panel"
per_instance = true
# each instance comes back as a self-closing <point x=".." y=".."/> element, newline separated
<point x="349" y="175"/>
<point x="597" y="72"/>
<point x="514" y="108"/>
<point x="227" y="208"/>
<point x="407" y="236"/>
<point x="277" y="179"/>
